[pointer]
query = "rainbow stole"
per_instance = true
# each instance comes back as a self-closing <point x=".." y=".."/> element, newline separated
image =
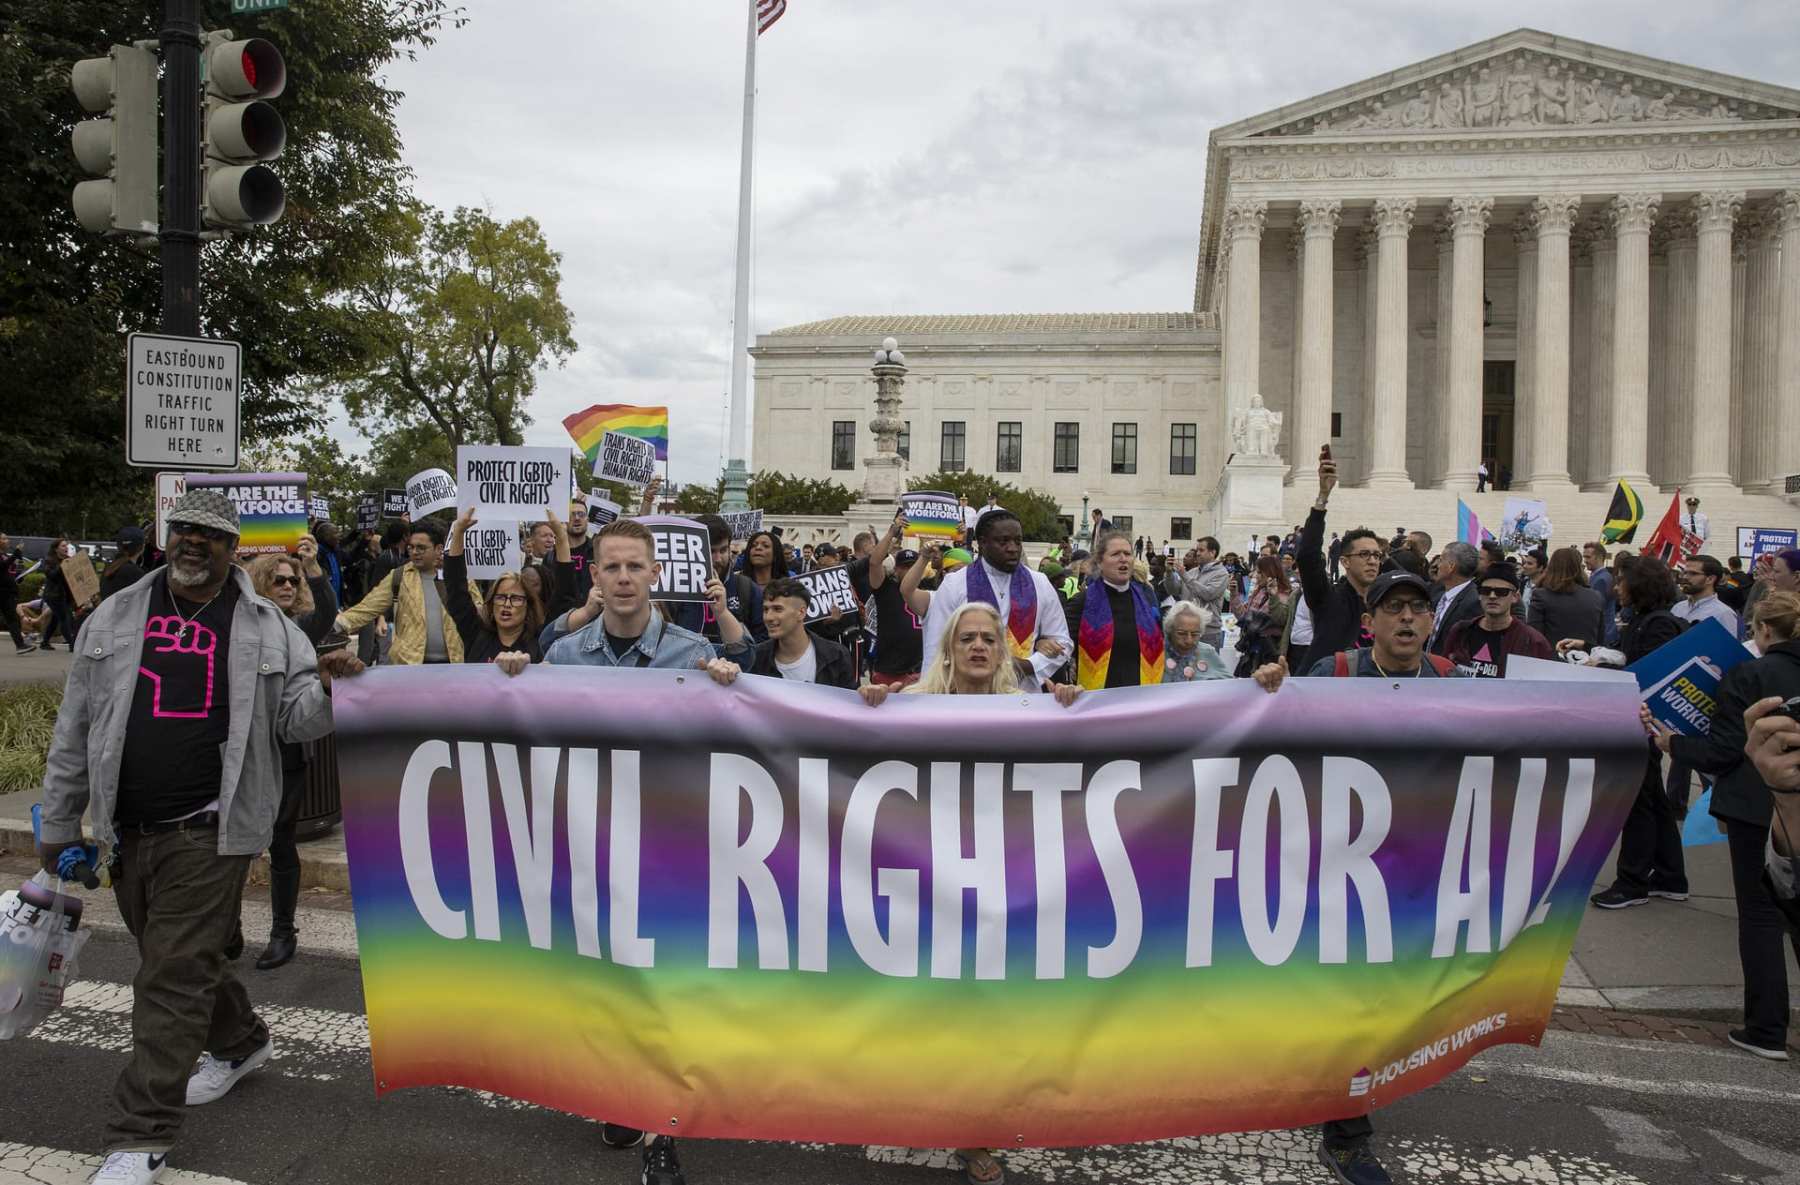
<point x="1021" y="608"/>
<point x="1096" y="636"/>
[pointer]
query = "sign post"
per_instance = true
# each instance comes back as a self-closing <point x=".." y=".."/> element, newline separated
<point x="181" y="402"/>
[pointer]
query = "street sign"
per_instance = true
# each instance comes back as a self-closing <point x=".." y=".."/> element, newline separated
<point x="169" y="487"/>
<point x="240" y="7"/>
<point x="181" y="402"/>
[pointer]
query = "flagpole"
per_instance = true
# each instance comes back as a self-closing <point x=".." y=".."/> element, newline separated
<point x="737" y="476"/>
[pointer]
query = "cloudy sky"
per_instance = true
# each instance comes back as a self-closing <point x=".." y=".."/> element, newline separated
<point x="912" y="156"/>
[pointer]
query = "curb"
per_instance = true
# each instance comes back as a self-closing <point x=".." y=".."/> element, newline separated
<point x="318" y="869"/>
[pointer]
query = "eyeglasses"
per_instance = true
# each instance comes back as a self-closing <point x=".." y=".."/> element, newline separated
<point x="419" y="548"/>
<point x="1362" y="553"/>
<point x="195" y="530"/>
<point x="507" y="599"/>
<point x="285" y="581"/>
<point x="1495" y="592"/>
<point x="1394" y="608"/>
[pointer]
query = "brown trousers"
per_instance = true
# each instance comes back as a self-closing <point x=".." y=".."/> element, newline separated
<point x="180" y="899"/>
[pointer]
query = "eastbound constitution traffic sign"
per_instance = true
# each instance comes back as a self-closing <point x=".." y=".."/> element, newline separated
<point x="181" y="402"/>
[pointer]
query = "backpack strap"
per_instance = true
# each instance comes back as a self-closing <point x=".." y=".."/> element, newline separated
<point x="1341" y="664"/>
<point x="1443" y="666"/>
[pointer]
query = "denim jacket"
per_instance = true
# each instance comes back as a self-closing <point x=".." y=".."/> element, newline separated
<point x="272" y="677"/>
<point x="662" y="646"/>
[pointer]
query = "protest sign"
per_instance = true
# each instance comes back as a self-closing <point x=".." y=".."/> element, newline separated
<point x="658" y="857"/>
<point x="743" y="523"/>
<point x="492" y="548"/>
<point x="1525" y="525"/>
<point x="84" y="582"/>
<point x="684" y="550"/>
<point x="627" y="459"/>
<point x="271" y="506"/>
<point x="368" y="512"/>
<point x="601" y="510"/>
<point x="429" y="490"/>
<point x="1679" y="678"/>
<point x="512" y="481"/>
<point x="1755" y="541"/>
<point x="393" y="503"/>
<point x="829" y="588"/>
<point x="932" y="514"/>
<point x="318" y="508"/>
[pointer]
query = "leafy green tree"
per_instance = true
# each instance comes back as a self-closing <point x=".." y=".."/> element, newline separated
<point x="68" y="297"/>
<point x="695" y="498"/>
<point x="778" y="493"/>
<point x="1038" y="512"/>
<point x="456" y="325"/>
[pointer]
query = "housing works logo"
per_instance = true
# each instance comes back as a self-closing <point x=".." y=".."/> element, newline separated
<point x="1364" y="1080"/>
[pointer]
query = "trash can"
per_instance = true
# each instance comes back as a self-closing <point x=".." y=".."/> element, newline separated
<point x="321" y="806"/>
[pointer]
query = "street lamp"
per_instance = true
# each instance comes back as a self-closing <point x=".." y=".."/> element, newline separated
<point x="1084" y="533"/>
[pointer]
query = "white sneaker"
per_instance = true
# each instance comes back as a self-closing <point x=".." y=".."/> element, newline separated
<point x="212" y="1077"/>
<point x="131" y="1168"/>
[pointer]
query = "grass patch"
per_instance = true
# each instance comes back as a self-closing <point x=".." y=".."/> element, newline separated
<point x="27" y="722"/>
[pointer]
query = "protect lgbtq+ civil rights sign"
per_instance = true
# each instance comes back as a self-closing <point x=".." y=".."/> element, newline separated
<point x="181" y="402"/>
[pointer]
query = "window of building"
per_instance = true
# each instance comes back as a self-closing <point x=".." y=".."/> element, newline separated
<point x="903" y="443"/>
<point x="1122" y="522"/>
<point x="1183" y="444"/>
<point x="1337" y="424"/>
<point x="843" y="444"/>
<point x="953" y="447"/>
<point x="1181" y="528"/>
<point x="1124" y="448"/>
<point x="1066" y="457"/>
<point x="1009" y="447"/>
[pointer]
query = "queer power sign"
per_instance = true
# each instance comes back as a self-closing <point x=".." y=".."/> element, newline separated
<point x="700" y="883"/>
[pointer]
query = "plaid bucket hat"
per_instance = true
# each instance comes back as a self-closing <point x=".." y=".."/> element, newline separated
<point x="205" y="508"/>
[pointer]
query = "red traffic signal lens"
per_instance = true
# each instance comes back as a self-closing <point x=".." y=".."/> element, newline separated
<point x="249" y="67"/>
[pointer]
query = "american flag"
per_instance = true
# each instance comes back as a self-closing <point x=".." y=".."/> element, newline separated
<point x="767" y="13"/>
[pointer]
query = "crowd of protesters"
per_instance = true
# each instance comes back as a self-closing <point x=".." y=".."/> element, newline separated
<point x="967" y="615"/>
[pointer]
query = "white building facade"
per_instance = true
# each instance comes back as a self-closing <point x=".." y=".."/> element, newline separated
<point x="1568" y="262"/>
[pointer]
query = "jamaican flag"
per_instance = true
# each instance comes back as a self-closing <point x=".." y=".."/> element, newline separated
<point x="1623" y="516"/>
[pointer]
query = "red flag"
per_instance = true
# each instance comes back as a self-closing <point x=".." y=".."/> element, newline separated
<point x="1672" y="543"/>
<point x="767" y="13"/>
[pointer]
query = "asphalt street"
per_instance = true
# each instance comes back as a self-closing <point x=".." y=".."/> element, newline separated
<point x="1582" y="1109"/>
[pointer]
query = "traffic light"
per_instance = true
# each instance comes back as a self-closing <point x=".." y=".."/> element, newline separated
<point x="120" y="147"/>
<point x="240" y="129"/>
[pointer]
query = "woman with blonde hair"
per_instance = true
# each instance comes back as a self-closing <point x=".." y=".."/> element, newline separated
<point x="298" y="587"/>
<point x="1742" y="803"/>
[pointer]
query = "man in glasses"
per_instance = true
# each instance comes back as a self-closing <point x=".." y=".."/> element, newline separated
<point x="1397" y="615"/>
<point x="1335" y="608"/>
<point x="183" y="778"/>
<point x="1479" y="646"/>
<point x="424" y="629"/>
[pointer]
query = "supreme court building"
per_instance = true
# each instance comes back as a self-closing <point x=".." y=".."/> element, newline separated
<point x="1574" y="263"/>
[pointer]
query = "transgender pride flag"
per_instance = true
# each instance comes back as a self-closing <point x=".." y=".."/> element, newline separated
<point x="1468" y="525"/>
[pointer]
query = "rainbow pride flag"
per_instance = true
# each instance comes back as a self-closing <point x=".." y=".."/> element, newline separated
<point x="646" y="423"/>
<point x="1468" y="525"/>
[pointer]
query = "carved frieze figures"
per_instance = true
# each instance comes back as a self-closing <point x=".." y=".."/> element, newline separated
<point x="1527" y="91"/>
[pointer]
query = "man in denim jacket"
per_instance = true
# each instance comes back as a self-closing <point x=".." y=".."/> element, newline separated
<point x="182" y="690"/>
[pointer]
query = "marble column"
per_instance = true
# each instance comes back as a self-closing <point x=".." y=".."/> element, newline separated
<point x="1740" y="286"/>
<point x="1367" y="254"/>
<point x="1658" y="393"/>
<point x="1525" y="364"/>
<point x="1676" y="412"/>
<point x="1243" y="304"/>
<point x="1581" y="371"/>
<point x="1296" y="254"/>
<point x="1459" y="441"/>
<point x="1709" y="412"/>
<point x="1387" y="411"/>
<point x="1784" y="425"/>
<point x="1443" y="240"/>
<point x="1628" y="458"/>
<point x="1762" y="306"/>
<point x="1311" y="425"/>
<point x="1548" y="465"/>
<point x="1600" y="364"/>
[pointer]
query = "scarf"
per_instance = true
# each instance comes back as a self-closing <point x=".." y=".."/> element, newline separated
<point x="1021" y="609"/>
<point x="1096" y="640"/>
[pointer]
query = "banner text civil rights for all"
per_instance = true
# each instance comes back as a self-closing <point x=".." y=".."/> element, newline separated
<point x="770" y="911"/>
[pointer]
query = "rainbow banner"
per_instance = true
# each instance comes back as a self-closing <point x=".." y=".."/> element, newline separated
<point x="770" y="911"/>
<point x="589" y="428"/>
<point x="272" y="507"/>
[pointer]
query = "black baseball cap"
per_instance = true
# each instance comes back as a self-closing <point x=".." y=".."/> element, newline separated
<point x="1504" y="572"/>
<point x="1387" y="582"/>
<point x="906" y="557"/>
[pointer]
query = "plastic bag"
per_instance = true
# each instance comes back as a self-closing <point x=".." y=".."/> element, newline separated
<point x="40" y="940"/>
